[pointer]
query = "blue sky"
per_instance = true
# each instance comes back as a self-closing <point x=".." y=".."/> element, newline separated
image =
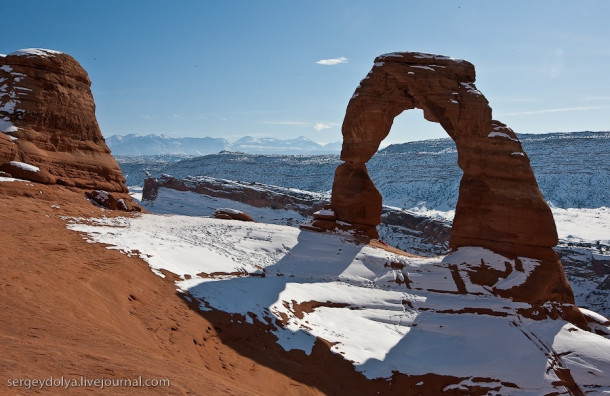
<point x="235" y="68"/>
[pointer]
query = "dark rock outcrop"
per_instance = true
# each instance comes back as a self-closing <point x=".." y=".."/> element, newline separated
<point x="47" y="116"/>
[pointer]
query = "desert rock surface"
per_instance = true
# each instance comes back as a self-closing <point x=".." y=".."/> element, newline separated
<point x="50" y="133"/>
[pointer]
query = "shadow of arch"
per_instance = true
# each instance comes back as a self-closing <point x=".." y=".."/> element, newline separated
<point x="316" y="259"/>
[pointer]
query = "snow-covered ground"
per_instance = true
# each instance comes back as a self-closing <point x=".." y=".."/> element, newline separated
<point x="583" y="245"/>
<point x="381" y="311"/>
<point x="573" y="225"/>
<point x="189" y="203"/>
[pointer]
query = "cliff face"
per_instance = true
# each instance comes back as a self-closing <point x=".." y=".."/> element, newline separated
<point x="47" y="116"/>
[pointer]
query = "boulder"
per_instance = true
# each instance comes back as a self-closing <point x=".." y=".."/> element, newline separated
<point x="112" y="200"/>
<point x="232" y="214"/>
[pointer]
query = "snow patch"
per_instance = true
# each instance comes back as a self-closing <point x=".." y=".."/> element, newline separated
<point x="325" y="212"/>
<point x="470" y="88"/>
<point x="24" y="166"/>
<point x="593" y="315"/>
<point x="423" y="55"/>
<point x="501" y="134"/>
<point x="391" y="55"/>
<point x="229" y="210"/>
<point x="422" y="67"/>
<point x="10" y="179"/>
<point x="35" y="52"/>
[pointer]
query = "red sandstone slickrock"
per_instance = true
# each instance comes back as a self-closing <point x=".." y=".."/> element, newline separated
<point x="47" y="116"/>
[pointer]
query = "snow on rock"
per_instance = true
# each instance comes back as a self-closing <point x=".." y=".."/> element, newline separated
<point x="229" y="210"/>
<point x="10" y="179"/>
<point x="470" y="88"/>
<point x="25" y="167"/>
<point x="232" y="214"/>
<point x="594" y="316"/>
<point x="422" y="67"/>
<point x="325" y="212"/>
<point x="391" y="55"/>
<point x="384" y="312"/>
<point x="35" y="52"/>
<point x="501" y="134"/>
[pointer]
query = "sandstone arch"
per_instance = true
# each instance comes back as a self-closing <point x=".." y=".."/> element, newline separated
<point x="499" y="206"/>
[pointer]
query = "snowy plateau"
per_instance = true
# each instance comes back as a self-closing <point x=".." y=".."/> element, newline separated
<point x="386" y="313"/>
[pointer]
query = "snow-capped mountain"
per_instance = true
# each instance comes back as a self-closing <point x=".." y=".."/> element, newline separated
<point x="267" y="145"/>
<point x="135" y="145"/>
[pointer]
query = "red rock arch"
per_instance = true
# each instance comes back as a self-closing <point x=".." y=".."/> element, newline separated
<point x="499" y="205"/>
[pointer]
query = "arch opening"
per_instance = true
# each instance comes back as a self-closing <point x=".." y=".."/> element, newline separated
<point x="411" y="126"/>
<point x="422" y="177"/>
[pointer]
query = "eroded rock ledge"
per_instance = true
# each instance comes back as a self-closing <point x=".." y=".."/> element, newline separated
<point x="50" y="133"/>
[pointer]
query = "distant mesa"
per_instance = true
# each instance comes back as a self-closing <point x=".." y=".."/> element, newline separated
<point x="47" y="116"/>
<point x="499" y="206"/>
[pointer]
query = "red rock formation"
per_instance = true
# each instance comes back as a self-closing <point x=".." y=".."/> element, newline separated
<point x="47" y="113"/>
<point x="232" y="214"/>
<point x="499" y="207"/>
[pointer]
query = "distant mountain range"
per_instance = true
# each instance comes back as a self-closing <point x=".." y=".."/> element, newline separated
<point x="133" y="144"/>
<point x="572" y="170"/>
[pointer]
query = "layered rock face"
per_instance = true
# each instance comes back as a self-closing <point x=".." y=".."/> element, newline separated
<point x="47" y="116"/>
<point x="499" y="207"/>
